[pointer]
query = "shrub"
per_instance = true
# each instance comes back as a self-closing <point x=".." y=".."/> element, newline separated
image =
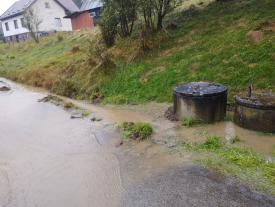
<point x="211" y="143"/>
<point x="136" y="131"/>
<point x="108" y="25"/>
<point x="66" y="87"/>
<point x="60" y="38"/>
<point x="69" y="105"/>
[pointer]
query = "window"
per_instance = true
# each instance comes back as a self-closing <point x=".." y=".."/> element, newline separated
<point x="58" y="22"/>
<point x="22" y="22"/>
<point x="93" y="14"/>
<point x="7" y="26"/>
<point x="47" y="5"/>
<point x="15" y="24"/>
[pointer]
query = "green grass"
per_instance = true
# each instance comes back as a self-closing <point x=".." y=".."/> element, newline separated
<point x="245" y="165"/>
<point x="69" y="105"/>
<point x="190" y="122"/>
<point x="85" y="113"/>
<point x="235" y="140"/>
<point x="136" y="131"/>
<point x="211" y="44"/>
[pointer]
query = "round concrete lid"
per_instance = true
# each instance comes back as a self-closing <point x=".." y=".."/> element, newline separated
<point x="265" y="101"/>
<point x="200" y="89"/>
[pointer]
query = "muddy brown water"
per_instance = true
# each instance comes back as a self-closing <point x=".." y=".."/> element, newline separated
<point x="50" y="160"/>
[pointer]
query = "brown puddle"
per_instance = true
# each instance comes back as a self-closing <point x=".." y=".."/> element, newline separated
<point x="154" y="113"/>
<point x="48" y="159"/>
<point x="259" y="142"/>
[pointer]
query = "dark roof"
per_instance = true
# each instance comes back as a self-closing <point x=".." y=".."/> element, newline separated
<point x="20" y="6"/>
<point x="17" y="8"/>
<point x="90" y="4"/>
<point x="86" y="5"/>
<point x="69" y="5"/>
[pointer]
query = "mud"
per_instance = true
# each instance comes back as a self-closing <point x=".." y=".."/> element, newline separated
<point x="48" y="159"/>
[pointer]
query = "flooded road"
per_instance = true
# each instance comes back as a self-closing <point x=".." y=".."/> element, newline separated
<point x="48" y="159"/>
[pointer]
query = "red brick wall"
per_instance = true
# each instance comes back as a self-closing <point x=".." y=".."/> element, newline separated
<point x="82" y="21"/>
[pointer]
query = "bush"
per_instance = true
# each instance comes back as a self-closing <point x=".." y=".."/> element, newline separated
<point x="108" y="25"/>
<point x="66" y="87"/>
<point x="60" y="38"/>
<point x="136" y="131"/>
<point x="211" y="143"/>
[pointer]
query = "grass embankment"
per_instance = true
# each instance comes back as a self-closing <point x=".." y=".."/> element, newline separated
<point x="248" y="167"/>
<point x="210" y="44"/>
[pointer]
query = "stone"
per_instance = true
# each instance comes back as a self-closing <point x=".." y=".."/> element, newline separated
<point x="4" y="88"/>
<point x="77" y="116"/>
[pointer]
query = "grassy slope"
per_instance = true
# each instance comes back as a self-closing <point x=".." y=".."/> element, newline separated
<point x="211" y="45"/>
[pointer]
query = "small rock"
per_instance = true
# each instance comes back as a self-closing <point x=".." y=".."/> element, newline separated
<point x="4" y="88"/>
<point x="52" y="99"/>
<point x="76" y="116"/>
<point x="94" y="119"/>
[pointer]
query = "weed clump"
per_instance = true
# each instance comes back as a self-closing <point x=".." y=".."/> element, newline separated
<point x="235" y="140"/>
<point x="211" y="143"/>
<point x="136" y="131"/>
<point x="60" y="38"/>
<point x="69" y="105"/>
<point x="190" y="122"/>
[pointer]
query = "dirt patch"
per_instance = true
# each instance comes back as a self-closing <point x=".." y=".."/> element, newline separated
<point x="268" y="26"/>
<point x="166" y="53"/>
<point x="241" y="22"/>
<point x="255" y="36"/>
<point x="145" y="77"/>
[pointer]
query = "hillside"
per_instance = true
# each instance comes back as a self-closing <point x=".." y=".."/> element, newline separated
<point x="231" y="43"/>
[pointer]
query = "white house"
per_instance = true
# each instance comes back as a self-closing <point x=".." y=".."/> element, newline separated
<point x="50" y="12"/>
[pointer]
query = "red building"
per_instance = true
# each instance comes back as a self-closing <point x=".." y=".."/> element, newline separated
<point x="82" y="20"/>
<point x="87" y="16"/>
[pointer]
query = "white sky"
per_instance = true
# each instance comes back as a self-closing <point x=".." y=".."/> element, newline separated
<point x="5" y="4"/>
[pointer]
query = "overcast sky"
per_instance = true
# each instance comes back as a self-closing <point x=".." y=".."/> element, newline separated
<point x="5" y="4"/>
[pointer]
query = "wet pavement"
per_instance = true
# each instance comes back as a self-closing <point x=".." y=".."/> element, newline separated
<point x="48" y="159"/>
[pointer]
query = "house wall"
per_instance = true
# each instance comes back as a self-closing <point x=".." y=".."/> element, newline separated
<point x="48" y="15"/>
<point x="12" y="30"/>
<point x="82" y="21"/>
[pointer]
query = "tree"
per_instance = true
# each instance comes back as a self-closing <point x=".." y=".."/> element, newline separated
<point x="119" y="16"/>
<point x="127" y="15"/>
<point x="147" y="10"/>
<point x="124" y="11"/>
<point x="32" y="22"/>
<point x="162" y="8"/>
<point x="154" y="11"/>
<point x="108" y="24"/>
